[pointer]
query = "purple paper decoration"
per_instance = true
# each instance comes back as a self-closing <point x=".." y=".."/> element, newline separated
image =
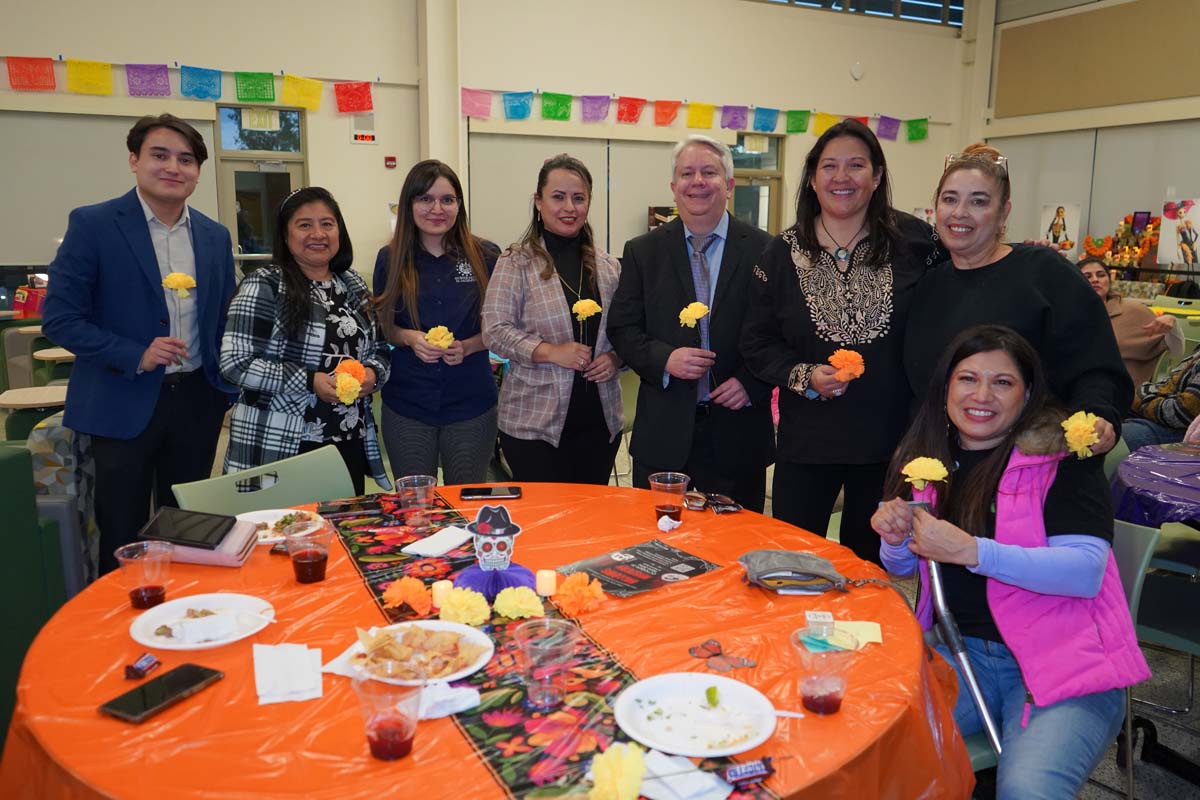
<point x="200" y="83"/>
<point x="517" y="105"/>
<point x="888" y="127"/>
<point x="734" y="117"/>
<point x="148" y="80"/>
<point x="765" y="119"/>
<point x="595" y="107"/>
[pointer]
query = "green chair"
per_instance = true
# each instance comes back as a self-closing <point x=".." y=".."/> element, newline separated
<point x="306" y="478"/>
<point x="630" y="382"/>
<point x="1172" y="593"/>
<point x="1168" y="302"/>
<point x="1113" y="459"/>
<point x="1132" y="548"/>
<point x="31" y="573"/>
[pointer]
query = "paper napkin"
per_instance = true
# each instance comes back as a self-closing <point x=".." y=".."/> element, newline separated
<point x="286" y="672"/>
<point x="439" y="543"/>
<point x="865" y="632"/>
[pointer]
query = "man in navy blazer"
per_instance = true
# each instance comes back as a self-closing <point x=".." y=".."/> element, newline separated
<point x="699" y="410"/>
<point x="145" y="383"/>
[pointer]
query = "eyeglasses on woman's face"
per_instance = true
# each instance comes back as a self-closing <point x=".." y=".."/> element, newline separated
<point x="428" y="201"/>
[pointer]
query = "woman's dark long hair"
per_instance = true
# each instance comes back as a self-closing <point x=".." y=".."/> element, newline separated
<point x="403" y="285"/>
<point x="297" y="305"/>
<point x="933" y="435"/>
<point x="531" y="240"/>
<point x="883" y="232"/>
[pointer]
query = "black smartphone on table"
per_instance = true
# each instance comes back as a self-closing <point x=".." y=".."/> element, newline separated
<point x="142" y="702"/>
<point x="490" y="493"/>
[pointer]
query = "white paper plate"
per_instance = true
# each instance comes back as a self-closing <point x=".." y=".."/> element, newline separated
<point x="670" y="713"/>
<point x="272" y="515"/>
<point x="471" y="635"/>
<point x="253" y="614"/>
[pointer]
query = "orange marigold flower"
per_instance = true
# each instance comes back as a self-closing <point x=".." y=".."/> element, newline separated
<point x="849" y="364"/>
<point x="410" y="591"/>
<point x="577" y="594"/>
<point x="355" y="369"/>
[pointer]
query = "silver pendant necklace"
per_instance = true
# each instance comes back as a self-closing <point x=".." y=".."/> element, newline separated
<point x="842" y="254"/>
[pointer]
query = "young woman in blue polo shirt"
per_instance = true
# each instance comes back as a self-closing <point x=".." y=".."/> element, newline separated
<point x="440" y="405"/>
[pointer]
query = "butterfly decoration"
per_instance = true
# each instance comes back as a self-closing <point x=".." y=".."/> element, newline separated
<point x="1173" y="210"/>
<point x="715" y="658"/>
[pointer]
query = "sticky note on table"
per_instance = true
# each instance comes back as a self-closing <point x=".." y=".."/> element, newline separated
<point x="865" y="632"/>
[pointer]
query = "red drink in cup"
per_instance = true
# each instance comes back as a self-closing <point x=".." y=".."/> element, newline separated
<point x="391" y="737"/>
<point x="147" y="596"/>
<point x="390" y="706"/>
<point x="309" y="565"/>
<point x="668" y="489"/>
<point x="674" y="512"/>
<point x="826" y="655"/>
<point x="309" y="550"/>
<point x="145" y="567"/>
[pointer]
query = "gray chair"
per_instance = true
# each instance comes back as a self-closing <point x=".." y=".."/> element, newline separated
<point x="630" y="382"/>
<point x="1172" y="594"/>
<point x="307" y="478"/>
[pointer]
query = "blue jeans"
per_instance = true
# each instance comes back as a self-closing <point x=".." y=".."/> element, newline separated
<point x="1138" y="432"/>
<point x="1052" y="757"/>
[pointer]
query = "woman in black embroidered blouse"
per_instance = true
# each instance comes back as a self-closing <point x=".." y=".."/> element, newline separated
<point x="842" y="277"/>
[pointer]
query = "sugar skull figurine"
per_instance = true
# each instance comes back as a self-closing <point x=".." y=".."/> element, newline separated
<point x="493" y="532"/>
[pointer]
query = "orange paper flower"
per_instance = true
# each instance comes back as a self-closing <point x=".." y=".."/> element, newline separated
<point x="576" y="594"/>
<point x="355" y="369"/>
<point x="409" y="591"/>
<point x="848" y="363"/>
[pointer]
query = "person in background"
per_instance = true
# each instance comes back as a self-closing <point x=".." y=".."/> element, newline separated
<point x="699" y="410"/>
<point x="1031" y="289"/>
<point x="439" y="407"/>
<point x="841" y="278"/>
<point x="290" y="325"/>
<point x="561" y="414"/>
<point x="1164" y="410"/>
<point x="1023" y="530"/>
<point x="145" y="383"/>
<point x="1141" y="336"/>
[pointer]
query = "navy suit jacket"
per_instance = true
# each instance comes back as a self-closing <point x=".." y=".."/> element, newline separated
<point x="106" y="303"/>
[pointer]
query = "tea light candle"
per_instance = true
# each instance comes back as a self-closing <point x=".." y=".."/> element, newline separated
<point x="440" y="589"/>
<point x="547" y="582"/>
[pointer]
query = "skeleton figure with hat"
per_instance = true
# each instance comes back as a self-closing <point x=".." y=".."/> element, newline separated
<point x="494" y="532"/>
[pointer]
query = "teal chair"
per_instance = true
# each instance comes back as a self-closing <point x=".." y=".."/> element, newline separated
<point x="307" y="478"/>
<point x="31" y="573"/>
<point x="1113" y="459"/>
<point x="1172" y="593"/>
<point x="1132" y="548"/>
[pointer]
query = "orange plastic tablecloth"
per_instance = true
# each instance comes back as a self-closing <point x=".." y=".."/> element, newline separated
<point x="893" y="738"/>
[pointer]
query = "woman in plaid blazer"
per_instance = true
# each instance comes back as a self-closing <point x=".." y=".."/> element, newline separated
<point x="289" y="326"/>
<point x="560" y="414"/>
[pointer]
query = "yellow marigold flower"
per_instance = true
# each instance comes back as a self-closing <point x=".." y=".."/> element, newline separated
<point x="692" y="313"/>
<point x="617" y="773"/>
<point x="440" y="336"/>
<point x="348" y="388"/>
<point x="179" y="282"/>
<point x="1080" y="430"/>
<point x="585" y="308"/>
<point x="924" y="470"/>
<point x="518" y="602"/>
<point x="466" y="606"/>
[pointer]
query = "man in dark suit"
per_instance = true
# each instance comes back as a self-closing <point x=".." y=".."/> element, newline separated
<point x="145" y="384"/>
<point x="699" y="409"/>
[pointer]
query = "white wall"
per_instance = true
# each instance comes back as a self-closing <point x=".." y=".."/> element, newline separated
<point x="723" y="51"/>
<point x="362" y="40"/>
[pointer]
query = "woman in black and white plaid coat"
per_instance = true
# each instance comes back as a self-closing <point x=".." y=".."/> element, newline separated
<point x="289" y="326"/>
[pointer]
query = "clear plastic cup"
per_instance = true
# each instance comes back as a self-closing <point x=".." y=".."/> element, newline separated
<point x="546" y="647"/>
<point x="309" y="550"/>
<point x="667" y="489"/>
<point x="825" y="655"/>
<point x="145" y="567"/>
<point x="390" y="711"/>
<point x="416" y="500"/>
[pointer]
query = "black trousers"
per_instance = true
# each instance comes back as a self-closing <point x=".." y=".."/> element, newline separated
<point x="803" y="495"/>
<point x="709" y="473"/>
<point x="177" y="446"/>
<point x="354" y="454"/>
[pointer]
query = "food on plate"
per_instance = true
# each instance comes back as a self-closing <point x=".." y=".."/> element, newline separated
<point x="199" y="625"/>
<point x="268" y="530"/>
<point x="423" y="652"/>
<point x="710" y="695"/>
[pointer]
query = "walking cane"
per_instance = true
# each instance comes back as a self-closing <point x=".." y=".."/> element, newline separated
<point x="948" y="629"/>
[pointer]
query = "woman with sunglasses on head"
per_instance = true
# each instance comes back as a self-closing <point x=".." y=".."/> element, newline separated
<point x="560" y="406"/>
<point x="1031" y="289"/>
<point x="440" y="405"/>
